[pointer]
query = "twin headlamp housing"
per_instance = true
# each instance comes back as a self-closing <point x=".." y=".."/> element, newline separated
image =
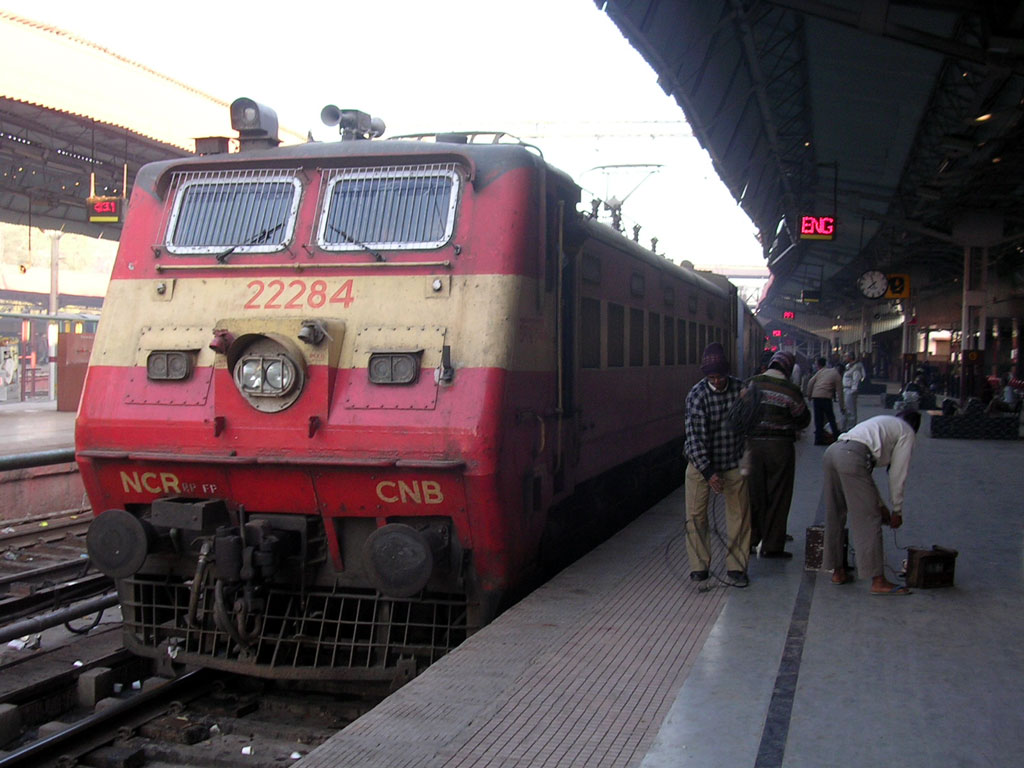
<point x="268" y="370"/>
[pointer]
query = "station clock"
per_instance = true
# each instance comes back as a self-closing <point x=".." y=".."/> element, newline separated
<point x="873" y="284"/>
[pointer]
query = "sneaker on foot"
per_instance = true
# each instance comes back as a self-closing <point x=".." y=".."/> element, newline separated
<point x="699" y="575"/>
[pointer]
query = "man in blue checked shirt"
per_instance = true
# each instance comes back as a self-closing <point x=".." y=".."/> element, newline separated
<point x="713" y="454"/>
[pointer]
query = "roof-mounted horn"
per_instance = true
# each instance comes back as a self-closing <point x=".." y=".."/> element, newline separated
<point x="352" y="124"/>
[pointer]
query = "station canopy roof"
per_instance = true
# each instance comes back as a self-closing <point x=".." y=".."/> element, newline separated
<point x="64" y="115"/>
<point x="902" y="120"/>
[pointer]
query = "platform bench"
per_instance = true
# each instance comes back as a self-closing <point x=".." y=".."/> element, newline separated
<point x="976" y="426"/>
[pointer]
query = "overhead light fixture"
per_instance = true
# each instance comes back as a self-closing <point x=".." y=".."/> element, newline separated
<point x="983" y="118"/>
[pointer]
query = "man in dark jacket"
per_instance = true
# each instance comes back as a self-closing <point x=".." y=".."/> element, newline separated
<point x="825" y="387"/>
<point x="713" y="454"/>
<point x="782" y="413"/>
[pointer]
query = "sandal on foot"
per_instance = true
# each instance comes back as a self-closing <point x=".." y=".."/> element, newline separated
<point x="896" y="589"/>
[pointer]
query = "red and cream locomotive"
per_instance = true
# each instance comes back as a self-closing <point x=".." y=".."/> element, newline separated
<point x="344" y="396"/>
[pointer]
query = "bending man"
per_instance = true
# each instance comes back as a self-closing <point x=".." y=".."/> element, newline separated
<point x="851" y="494"/>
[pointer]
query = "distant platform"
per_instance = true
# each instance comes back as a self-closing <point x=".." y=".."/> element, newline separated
<point x="34" y="425"/>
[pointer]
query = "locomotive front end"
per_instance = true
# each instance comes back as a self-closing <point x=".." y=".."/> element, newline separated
<point x="287" y="433"/>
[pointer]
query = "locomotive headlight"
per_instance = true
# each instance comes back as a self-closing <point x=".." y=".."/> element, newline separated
<point x="251" y="377"/>
<point x="268" y="373"/>
<point x="279" y="375"/>
<point x="262" y="376"/>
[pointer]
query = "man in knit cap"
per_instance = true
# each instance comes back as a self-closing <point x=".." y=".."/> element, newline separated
<point x="713" y="454"/>
<point x="782" y="413"/>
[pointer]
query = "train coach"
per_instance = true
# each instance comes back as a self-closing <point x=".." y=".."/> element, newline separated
<point x="346" y="397"/>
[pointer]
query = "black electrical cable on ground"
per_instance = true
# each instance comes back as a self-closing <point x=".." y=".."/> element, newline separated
<point x="85" y="630"/>
<point x="713" y="508"/>
<point x="99" y="614"/>
<point x="713" y="519"/>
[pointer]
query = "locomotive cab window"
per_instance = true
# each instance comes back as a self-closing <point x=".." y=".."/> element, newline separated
<point x="397" y="208"/>
<point x="232" y="212"/>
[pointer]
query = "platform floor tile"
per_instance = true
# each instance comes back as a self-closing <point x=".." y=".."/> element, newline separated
<point x="580" y="673"/>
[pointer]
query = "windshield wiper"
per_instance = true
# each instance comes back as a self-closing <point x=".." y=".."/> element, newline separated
<point x="259" y="237"/>
<point x="360" y="243"/>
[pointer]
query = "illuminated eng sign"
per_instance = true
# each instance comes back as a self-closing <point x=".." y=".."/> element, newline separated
<point x="788" y="315"/>
<point x="817" y="227"/>
<point x="104" y="209"/>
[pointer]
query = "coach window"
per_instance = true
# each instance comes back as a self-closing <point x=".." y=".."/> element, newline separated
<point x="680" y="342"/>
<point x="654" y="339"/>
<point x="702" y="338"/>
<point x="694" y="350"/>
<point x="616" y="335"/>
<point x="670" y="341"/>
<point x="636" y="336"/>
<point x="590" y="333"/>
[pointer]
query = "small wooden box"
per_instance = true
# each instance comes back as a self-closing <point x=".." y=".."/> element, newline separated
<point x="927" y="568"/>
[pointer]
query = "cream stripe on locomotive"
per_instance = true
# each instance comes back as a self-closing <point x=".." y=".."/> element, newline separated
<point x="479" y="315"/>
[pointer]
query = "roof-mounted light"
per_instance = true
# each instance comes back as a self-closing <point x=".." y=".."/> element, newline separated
<point x="352" y="124"/>
<point x="255" y="123"/>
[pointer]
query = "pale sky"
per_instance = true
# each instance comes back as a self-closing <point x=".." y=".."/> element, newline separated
<point x="556" y="72"/>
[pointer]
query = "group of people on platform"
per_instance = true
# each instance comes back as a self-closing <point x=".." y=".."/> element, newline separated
<point x="755" y="471"/>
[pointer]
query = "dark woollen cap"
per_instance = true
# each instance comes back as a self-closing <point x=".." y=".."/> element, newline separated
<point x="783" y="361"/>
<point x="713" y="360"/>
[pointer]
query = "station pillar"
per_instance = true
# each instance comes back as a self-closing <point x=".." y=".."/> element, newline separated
<point x="976" y="232"/>
<point x="52" y="325"/>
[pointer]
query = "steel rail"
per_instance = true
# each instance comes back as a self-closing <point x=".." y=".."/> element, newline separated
<point x="16" y="608"/>
<point x="36" y="459"/>
<point x="56" y="618"/>
<point x="81" y="563"/>
<point x="48" y="533"/>
<point x="94" y="731"/>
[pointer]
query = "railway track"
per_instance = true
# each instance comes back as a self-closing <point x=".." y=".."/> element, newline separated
<point x="71" y="694"/>
<point x="44" y="566"/>
<point x="200" y="718"/>
<point x="67" y="527"/>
